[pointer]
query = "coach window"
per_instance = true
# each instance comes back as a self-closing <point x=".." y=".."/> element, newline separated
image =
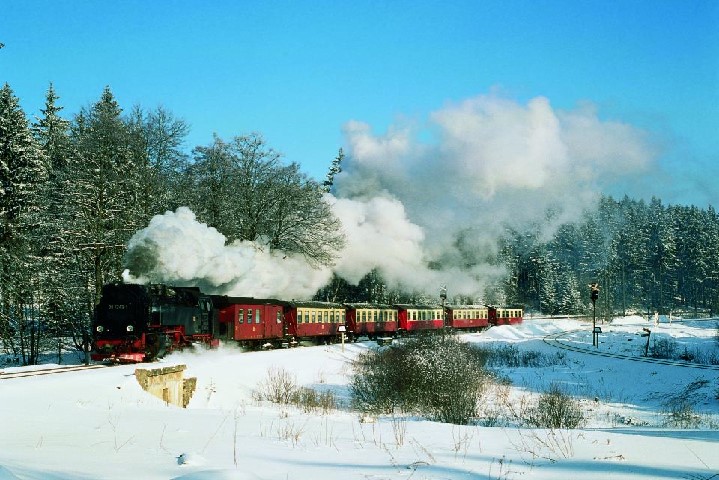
<point x="249" y="315"/>
<point x="241" y="316"/>
<point x="257" y="316"/>
<point x="279" y="317"/>
<point x="327" y="316"/>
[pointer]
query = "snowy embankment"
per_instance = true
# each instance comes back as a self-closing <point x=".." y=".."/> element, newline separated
<point x="99" y="424"/>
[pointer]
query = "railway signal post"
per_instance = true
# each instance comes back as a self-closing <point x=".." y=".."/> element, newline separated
<point x="594" y="294"/>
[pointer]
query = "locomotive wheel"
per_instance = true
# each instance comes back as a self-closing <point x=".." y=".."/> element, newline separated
<point x="152" y="346"/>
<point x="156" y="345"/>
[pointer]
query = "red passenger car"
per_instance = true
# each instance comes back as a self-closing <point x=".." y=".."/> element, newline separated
<point x="505" y="316"/>
<point x="412" y="318"/>
<point x="470" y="317"/>
<point x="371" y="320"/>
<point x="251" y="322"/>
<point x="317" y="321"/>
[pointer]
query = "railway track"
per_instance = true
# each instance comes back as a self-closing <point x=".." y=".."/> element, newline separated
<point x="48" y="371"/>
<point x="554" y="341"/>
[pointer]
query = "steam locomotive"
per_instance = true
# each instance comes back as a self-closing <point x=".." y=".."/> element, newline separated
<point x="136" y="323"/>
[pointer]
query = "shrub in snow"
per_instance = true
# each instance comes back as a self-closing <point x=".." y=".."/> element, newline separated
<point x="555" y="409"/>
<point x="278" y="387"/>
<point x="664" y="347"/>
<point x="281" y="387"/>
<point x="433" y="375"/>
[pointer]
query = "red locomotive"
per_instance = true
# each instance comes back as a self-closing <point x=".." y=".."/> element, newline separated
<point x="135" y="323"/>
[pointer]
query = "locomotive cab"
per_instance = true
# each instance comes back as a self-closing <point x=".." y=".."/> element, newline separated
<point x="142" y="322"/>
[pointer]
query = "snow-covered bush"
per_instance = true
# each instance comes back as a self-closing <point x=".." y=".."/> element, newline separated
<point x="279" y="387"/>
<point x="508" y="355"/>
<point x="555" y="409"/>
<point x="664" y="347"/>
<point x="435" y="376"/>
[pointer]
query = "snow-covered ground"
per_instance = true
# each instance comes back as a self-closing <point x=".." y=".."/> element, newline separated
<point x="99" y="424"/>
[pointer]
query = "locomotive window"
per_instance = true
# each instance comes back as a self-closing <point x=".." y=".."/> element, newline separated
<point x="332" y="316"/>
<point x="241" y="316"/>
<point x="257" y="316"/>
<point x="249" y="315"/>
<point x="327" y="316"/>
<point x="342" y="315"/>
<point x="314" y="316"/>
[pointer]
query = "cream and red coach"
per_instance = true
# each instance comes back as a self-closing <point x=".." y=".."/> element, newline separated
<point x="316" y="321"/>
<point x="371" y="320"/>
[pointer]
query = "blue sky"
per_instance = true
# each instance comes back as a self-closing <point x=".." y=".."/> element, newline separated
<point x="298" y="71"/>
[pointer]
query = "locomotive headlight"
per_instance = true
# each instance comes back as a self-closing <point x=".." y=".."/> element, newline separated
<point x="130" y="328"/>
<point x="100" y="328"/>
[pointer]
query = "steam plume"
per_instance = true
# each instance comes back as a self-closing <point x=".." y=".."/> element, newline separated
<point x="425" y="213"/>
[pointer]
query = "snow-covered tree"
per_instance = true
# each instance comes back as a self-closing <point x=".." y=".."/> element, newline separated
<point x="243" y="189"/>
<point x="101" y="200"/>
<point x="22" y="179"/>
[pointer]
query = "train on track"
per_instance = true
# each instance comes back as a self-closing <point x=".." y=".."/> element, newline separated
<point x="136" y="323"/>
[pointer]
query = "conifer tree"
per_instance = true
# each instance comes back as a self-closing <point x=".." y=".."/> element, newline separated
<point x="101" y="197"/>
<point x="335" y="168"/>
<point x="22" y="178"/>
<point x="57" y="276"/>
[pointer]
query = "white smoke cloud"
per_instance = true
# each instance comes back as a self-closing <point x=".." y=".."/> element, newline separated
<point x="177" y="249"/>
<point x="492" y="163"/>
<point x="425" y="213"/>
